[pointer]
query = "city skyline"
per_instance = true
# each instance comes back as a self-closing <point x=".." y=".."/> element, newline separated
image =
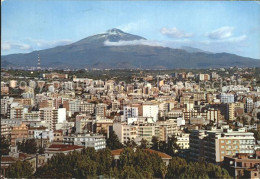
<point x="231" y="27"/>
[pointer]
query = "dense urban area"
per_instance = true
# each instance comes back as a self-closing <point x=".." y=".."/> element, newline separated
<point x="92" y="123"/>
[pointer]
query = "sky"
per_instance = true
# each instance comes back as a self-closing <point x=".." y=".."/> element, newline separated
<point x="215" y="26"/>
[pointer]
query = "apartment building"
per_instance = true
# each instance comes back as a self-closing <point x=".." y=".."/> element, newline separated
<point x="227" y="98"/>
<point x="143" y="130"/>
<point x="183" y="140"/>
<point x="18" y="112"/>
<point x="96" y="141"/>
<point x="130" y="112"/>
<point x="215" y="144"/>
<point x="151" y="110"/>
<point x="50" y="117"/>
<point x="87" y="107"/>
<point x="19" y="133"/>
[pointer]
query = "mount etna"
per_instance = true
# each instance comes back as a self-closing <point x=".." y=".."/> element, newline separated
<point x="116" y="49"/>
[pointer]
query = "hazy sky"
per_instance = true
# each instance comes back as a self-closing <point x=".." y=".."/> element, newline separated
<point x="218" y="26"/>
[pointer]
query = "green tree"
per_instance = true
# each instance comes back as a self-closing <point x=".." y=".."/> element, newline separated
<point x="113" y="141"/>
<point x="21" y="169"/>
<point x="4" y="146"/>
<point x="104" y="158"/>
<point x="155" y="143"/>
<point x="144" y="144"/>
<point x="28" y="146"/>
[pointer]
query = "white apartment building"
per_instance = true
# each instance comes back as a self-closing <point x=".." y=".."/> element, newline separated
<point x="125" y="132"/>
<point x="139" y="130"/>
<point x="151" y="110"/>
<point x="183" y="140"/>
<point x="227" y="98"/>
<point x="96" y="141"/>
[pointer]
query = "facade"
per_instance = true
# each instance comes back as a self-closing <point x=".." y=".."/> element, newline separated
<point x="217" y="143"/>
<point x="241" y="164"/>
<point x="19" y="133"/>
<point x="96" y="141"/>
<point x="227" y="98"/>
<point x="130" y="112"/>
<point x="183" y="140"/>
<point x="151" y="110"/>
<point x="49" y="116"/>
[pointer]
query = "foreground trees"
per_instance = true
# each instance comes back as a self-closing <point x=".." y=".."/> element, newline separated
<point x="21" y="169"/>
<point x="90" y="164"/>
<point x="113" y="141"/>
<point x="179" y="168"/>
<point x="133" y="163"/>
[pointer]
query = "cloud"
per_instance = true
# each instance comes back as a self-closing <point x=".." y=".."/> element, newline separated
<point x="6" y="46"/>
<point x="30" y="44"/>
<point x="175" y="33"/>
<point x="220" y="33"/>
<point x="49" y="43"/>
<point x="237" y="39"/>
<point x="133" y="26"/>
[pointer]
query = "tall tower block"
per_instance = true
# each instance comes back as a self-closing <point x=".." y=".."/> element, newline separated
<point x="39" y="63"/>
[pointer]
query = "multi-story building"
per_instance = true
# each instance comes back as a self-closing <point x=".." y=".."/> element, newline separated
<point x="167" y="128"/>
<point x="100" y="110"/>
<point x="49" y="116"/>
<point x="18" y="112"/>
<point x="218" y="143"/>
<point x="74" y="106"/>
<point x="249" y="105"/>
<point x="151" y="110"/>
<point x="125" y="132"/>
<point x="102" y="125"/>
<point x="183" y="140"/>
<point x="231" y="111"/>
<point x="18" y="134"/>
<point x="243" y="163"/>
<point x="87" y="107"/>
<point x="130" y="112"/>
<point x="96" y="141"/>
<point x="227" y="98"/>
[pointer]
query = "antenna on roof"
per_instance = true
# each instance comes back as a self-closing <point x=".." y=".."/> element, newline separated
<point x="39" y="63"/>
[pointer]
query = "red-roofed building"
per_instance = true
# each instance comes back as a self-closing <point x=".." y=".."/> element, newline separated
<point x="165" y="157"/>
<point x="61" y="148"/>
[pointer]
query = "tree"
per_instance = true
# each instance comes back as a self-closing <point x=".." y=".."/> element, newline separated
<point x="21" y="169"/>
<point x="172" y="146"/>
<point x="179" y="168"/>
<point x="130" y="143"/>
<point x="28" y="146"/>
<point x="144" y="144"/>
<point x="176" y="167"/>
<point x="4" y="146"/>
<point x="155" y="143"/>
<point x="113" y="141"/>
<point x="104" y="158"/>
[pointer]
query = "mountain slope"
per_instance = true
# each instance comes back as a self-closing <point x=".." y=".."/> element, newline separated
<point x="91" y="52"/>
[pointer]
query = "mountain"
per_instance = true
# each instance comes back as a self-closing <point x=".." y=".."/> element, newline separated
<point x="193" y="50"/>
<point x="117" y="49"/>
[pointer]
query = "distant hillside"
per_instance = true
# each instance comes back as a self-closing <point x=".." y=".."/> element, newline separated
<point x="92" y="53"/>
